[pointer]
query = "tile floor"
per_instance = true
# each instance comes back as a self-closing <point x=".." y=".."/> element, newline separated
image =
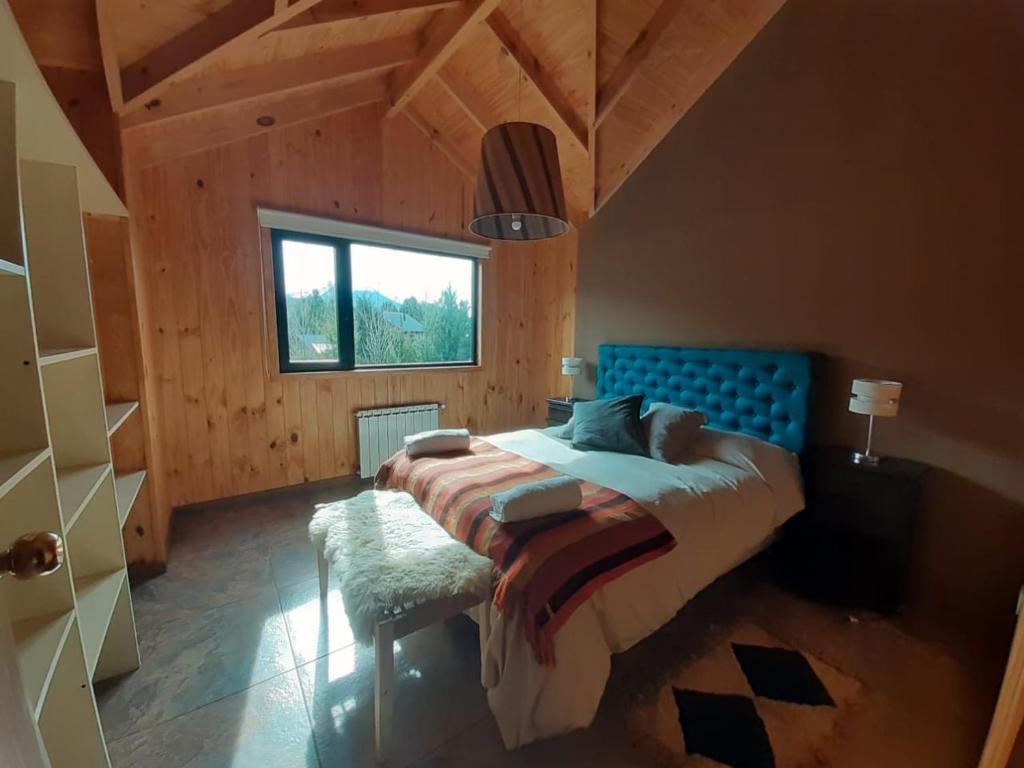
<point x="239" y="670"/>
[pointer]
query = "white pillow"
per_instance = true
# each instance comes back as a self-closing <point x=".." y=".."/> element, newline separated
<point x="670" y="430"/>
<point x="779" y="468"/>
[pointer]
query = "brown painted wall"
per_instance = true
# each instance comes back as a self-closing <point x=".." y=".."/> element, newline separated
<point x="223" y="422"/>
<point x="854" y="185"/>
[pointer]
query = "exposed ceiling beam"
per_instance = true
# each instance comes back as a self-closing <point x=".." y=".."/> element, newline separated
<point x="194" y="132"/>
<point x="532" y="69"/>
<point x="719" y="45"/>
<point x="236" y="24"/>
<point x="442" y="37"/>
<point x="221" y="88"/>
<point x="624" y="75"/>
<point x="439" y="141"/>
<point x="334" y="11"/>
<point x="60" y="33"/>
<point x="592" y="52"/>
<point x="108" y="54"/>
<point x="466" y="98"/>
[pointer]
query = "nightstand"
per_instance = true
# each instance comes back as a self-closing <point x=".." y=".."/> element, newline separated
<point x="560" y="410"/>
<point x="852" y="544"/>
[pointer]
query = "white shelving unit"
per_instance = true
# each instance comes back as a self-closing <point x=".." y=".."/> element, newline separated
<point x="75" y="626"/>
<point x="128" y="487"/>
<point x="118" y="413"/>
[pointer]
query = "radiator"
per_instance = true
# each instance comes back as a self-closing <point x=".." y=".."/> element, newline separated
<point x="382" y="431"/>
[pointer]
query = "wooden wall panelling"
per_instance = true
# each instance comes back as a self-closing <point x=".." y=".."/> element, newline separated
<point x="204" y="220"/>
<point x="443" y="118"/>
<point x="442" y="37"/>
<point x="559" y="34"/>
<point x="540" y="76"/>
<point x="440" y="139"/>
<point x="619" y="23"/>
<point x="139" y="28"/>
<point x="104" y="17"/>
<point x="106" y="240"/>
<point x="229" y="27"/>
<point x="62" y="36"/>
<point x="483" y="67"/>
<point x="60" y="33"/>
<point x="230" y="424"/>
<point x="152" y="227"/>
<point x="150" y="144"/>
<point x="215" y="289"/>
<point x="286" y="43"/>
<point x="335" y="12"/>
<point x="591" y="45"/>
<point x="147" y="525"/>
<point x="83" y="97"/>
<point x="336" y="66"/>
<point x="128" y="446"/>
<point x="118" y="335"/>
<point x="630" y="65"/>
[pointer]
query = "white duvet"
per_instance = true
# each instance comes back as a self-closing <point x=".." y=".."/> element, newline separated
<point x="722" y="506"/>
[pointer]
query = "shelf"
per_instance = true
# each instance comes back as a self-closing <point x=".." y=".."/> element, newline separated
<point x="67" y="722"/>
<point x="96" y="595"/>
<point x="127" y="486"/>
<point x="117" y="414"/>
<point x="38" y="643"/>
<point x="53" y="356"/>
<point x="15" y="466"/>
<point x="9" y="269"/>
<point x="75" y="486"/>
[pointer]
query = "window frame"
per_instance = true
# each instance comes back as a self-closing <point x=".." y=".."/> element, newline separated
<point x="346" y="309"/>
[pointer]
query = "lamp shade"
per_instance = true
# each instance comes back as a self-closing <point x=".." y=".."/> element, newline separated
<point x="875" y="397"/>
<point x="519" y="192"/>
<point x="572" y="366"/>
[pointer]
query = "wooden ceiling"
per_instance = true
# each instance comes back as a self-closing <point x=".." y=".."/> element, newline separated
<point x="609" y="77"/>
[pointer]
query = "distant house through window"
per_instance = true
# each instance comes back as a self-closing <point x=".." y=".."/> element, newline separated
<point x="349" y="302"/>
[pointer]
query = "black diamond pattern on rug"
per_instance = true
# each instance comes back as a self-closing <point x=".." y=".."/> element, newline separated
<point x="781" y="674"/>
<point x="724" y="727"/>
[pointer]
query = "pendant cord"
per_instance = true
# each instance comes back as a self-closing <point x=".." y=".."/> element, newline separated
<point x="519" y="78"/>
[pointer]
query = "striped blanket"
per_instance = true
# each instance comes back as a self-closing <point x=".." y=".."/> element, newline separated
<point x="546" y="567"/>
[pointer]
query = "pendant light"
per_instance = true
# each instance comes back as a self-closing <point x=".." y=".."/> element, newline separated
<point x="519" y="188"/>
<point x="519" y="193"/>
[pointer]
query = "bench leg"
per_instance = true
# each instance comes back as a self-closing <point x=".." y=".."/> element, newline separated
<point x="383" y="682"/>
<point x="321" y="564"/>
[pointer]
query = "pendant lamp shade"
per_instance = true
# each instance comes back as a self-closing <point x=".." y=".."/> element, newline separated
<point x="519" y="192"/>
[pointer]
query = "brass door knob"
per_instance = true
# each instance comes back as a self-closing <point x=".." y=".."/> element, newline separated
<point x="34" y="554"/>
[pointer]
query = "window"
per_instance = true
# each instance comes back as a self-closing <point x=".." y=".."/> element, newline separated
<point x="345" y="303"/>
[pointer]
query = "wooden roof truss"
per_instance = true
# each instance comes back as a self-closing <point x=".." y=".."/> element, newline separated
<point x="609" y="77"/>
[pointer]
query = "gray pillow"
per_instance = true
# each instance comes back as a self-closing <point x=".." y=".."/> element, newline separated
<point x="612" y="424"/>
<point x="566" y="432"/>
<point x="670" y="430"/>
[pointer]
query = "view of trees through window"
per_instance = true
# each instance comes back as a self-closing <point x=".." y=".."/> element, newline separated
<point x="407" y="307"/>
<point x="311" y="301"/>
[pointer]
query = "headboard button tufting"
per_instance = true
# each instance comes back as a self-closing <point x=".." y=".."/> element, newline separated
<point x="761" y="393"/>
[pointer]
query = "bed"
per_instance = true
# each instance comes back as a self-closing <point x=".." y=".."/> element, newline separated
<point x="739" y="483"/>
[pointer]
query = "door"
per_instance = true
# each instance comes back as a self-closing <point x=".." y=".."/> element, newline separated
<point x="1009" y="713"/>
<point x="19" y="739"/>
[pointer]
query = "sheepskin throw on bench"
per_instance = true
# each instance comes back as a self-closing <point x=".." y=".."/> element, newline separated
<point x="387" y="553"/>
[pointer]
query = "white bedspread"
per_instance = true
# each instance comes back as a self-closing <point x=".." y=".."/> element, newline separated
<point x="720" y="514"/>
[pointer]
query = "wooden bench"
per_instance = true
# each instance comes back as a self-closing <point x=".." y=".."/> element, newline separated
<point x="397" y="622"/>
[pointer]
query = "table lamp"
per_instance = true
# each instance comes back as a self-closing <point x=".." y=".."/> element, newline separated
<point x="873" y="397"/>
<point x="571" y="367"/>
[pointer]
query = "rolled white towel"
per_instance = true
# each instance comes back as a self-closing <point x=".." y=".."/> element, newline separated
<point x="544" y="497"/>
<point x="436" y="441"/>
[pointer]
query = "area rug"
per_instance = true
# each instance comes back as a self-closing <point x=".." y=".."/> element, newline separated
<point x="750" y="702"/>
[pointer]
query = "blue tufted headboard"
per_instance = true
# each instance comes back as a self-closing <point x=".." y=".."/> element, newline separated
<point x="764" y="394"/>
